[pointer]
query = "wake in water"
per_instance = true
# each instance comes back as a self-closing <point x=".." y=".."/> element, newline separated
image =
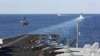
<point x="61" y="29"/>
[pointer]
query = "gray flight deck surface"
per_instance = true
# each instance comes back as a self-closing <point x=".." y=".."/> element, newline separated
<point x="20" y="46"/>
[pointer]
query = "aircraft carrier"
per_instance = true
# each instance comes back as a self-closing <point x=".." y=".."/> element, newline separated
<point x="28" y="45"/>
<point x="23" y="45"/>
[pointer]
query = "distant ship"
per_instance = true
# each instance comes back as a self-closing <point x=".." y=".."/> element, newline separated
<point x="58" y="14"/>
<point x="24" y="21"/>
<point x="81" y="16"/>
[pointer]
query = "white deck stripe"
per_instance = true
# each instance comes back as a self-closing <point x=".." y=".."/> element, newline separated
<point x="15" y="41"/>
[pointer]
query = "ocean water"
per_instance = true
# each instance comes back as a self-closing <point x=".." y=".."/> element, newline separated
<point x="64" y="25"/>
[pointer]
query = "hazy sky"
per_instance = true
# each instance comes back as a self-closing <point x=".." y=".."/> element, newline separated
<point x="49" y="6"/>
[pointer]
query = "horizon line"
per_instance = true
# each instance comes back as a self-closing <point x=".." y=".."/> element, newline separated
<point x="48" y="13"/>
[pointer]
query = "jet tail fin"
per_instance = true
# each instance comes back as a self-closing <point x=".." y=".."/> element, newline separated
<point x="1" y="43"/>
<point x="95" y="45"/>
<point x="87" y="46"/>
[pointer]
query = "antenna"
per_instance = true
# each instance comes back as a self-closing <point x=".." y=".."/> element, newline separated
<point x="77" y="29"/>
